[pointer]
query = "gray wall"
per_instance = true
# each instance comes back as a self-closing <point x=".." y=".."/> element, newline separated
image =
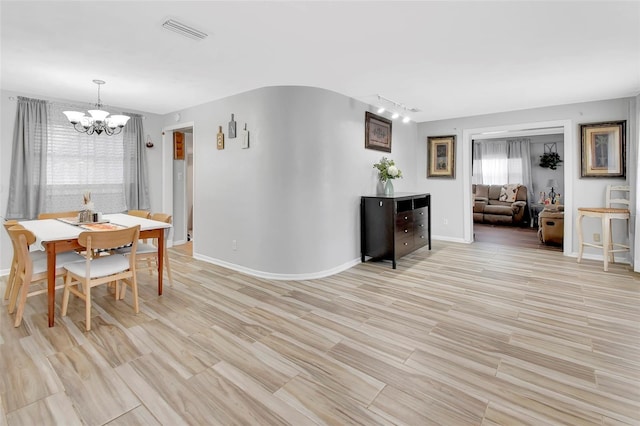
<point x="539" y="175"/>
<point x="448" y="197"/>
<point x="290" y="201"/>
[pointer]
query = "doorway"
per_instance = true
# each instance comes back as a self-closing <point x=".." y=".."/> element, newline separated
<point x="518" y="130"/>
<point x="505" y="159"/>
<point x="178" y="181"/>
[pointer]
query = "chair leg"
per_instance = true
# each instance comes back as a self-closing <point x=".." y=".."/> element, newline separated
<point x="166" y="262"/>
<point x="24" y="291"/>
<point x="87" y="307"/>
<point x="612" y="259"/>
<point x="11" y="279"/>
<point x="606" y="242"/>
<point x="15" y="291"/>
<point x="580" y="237"/>
<point x="134" y="290"/>
<point x="65" y="294"/>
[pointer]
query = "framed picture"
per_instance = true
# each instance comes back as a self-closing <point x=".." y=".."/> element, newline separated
<point x="377" y="132"/>
<point x="441" y="154"/>
<point x="603" y="149"/>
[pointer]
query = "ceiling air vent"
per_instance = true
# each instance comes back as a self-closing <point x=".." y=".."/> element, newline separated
<point x="183" y="29"/>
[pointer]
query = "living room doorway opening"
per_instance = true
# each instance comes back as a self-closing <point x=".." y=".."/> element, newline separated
<point x="492" y="219"/>
<point x="515" y="178"/>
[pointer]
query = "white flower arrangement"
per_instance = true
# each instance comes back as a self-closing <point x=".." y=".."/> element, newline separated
<point x="387" y="169"/>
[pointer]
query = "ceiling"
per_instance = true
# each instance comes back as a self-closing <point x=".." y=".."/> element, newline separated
<point x="447" y="59"/>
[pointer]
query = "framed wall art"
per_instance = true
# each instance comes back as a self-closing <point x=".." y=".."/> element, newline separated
<point x="441" y="154"/>
<point x="377" y="132"/>
<point x="603" y="149"/>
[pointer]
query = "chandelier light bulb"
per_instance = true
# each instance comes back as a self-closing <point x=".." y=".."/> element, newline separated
<point x="99" y="121"/>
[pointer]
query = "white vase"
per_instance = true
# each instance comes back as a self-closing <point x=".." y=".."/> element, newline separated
<point x="388" y="187"/>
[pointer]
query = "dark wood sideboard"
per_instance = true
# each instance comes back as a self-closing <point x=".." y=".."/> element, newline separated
<point x="394" y="225"/>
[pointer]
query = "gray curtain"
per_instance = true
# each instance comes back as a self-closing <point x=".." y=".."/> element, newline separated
<point x="520" y="149"/>
<point x="136" y="175"/>
<point x="28" y="160"/>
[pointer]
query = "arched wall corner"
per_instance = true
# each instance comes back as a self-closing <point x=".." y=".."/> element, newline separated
<point x="288" y="206"/>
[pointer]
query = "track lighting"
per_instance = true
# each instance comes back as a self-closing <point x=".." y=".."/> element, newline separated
<point x="396" y="109"/>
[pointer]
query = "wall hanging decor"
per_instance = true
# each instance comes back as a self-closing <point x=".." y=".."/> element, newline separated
<point x="245" y="137"/>
<point x="377" y="132"/>
<point x="178" y="146"/>
<point x="232" y="128"/>
<point x="441" y="154"/>
<point x="220" y="138"/>
<point x="550" y="159"/>
<point x="603" y="149"/>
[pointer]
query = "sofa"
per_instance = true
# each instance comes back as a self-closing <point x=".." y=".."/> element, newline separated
<point x="500" y="204"/>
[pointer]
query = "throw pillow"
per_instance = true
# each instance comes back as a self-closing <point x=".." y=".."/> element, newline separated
<point x="508" y="192"/>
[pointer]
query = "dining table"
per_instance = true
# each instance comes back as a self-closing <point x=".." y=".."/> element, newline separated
<point x="60" y="235"/>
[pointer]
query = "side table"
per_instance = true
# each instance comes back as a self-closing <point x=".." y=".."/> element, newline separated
<point x="536" y="208"/>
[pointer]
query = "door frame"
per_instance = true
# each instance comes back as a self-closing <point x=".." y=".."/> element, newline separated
<point x="167" y="171"/>
<point x="569" y="164"/>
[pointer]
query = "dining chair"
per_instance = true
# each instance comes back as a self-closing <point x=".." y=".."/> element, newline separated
<point x="31" y="268"/>
<point x="140" y="213"/>
<point x="606" y="215"/>
<point x="149" y="250"/>
<point x="14" y="260"/>
<point x="81" y="277"/>
<point x="58" y="215"/>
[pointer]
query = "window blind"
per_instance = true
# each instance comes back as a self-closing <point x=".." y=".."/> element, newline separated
<point x="77" y="162"/>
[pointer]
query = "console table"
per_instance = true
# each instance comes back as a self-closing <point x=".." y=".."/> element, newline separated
<point x="392" y="226"/>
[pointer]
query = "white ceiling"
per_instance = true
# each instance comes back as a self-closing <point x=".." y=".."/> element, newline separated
<point x="448" y="59"/>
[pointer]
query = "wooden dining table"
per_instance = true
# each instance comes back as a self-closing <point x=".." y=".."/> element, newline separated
<point x="58" y="235"/>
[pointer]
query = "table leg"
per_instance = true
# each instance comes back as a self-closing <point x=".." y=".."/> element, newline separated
<point x="160" y="259"/>
<point x="51" y="281"/>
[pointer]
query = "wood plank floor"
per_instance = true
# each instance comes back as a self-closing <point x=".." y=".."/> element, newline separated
<point x="477" y="334"/>
<point x="512" y="236"/>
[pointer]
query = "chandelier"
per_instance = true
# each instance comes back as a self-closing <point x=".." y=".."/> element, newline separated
<point x="99" y="121"/>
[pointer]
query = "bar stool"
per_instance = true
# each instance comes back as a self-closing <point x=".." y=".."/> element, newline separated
<point x="606" y="214"/>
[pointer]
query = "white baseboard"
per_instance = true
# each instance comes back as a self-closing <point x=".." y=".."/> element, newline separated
<point x="272" y="276"/>
<point x="600" y="257"/>
<point x="449" y="239"/>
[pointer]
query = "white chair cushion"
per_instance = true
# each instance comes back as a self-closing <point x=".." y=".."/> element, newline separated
<point x="142" y="248"/>
<point x="100" y="266"/>
<point x="39" y="259"/>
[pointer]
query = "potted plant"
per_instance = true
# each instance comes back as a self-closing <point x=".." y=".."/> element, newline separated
<point x="550" y="160"/>
<point x="387" y="171"/>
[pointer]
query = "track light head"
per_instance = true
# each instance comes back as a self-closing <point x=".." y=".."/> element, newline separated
<point x="395" y="115"/>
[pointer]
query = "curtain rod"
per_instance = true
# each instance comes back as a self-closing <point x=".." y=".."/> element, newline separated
<point x="13" y="98"/>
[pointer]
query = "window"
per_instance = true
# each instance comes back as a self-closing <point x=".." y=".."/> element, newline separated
<point x="77" y="162"/>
